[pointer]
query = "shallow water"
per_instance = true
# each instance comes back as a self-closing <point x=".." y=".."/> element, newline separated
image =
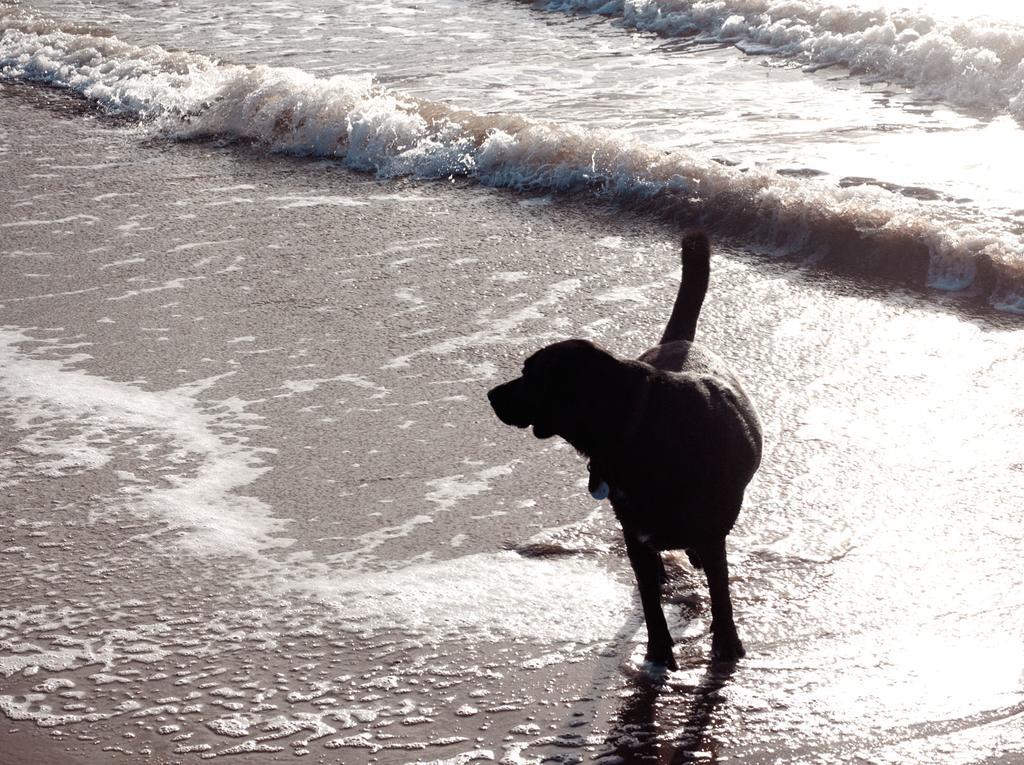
<point x="254" y="501"/>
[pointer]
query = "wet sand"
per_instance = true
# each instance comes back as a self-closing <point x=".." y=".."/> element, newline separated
<point x="254" y="501"/>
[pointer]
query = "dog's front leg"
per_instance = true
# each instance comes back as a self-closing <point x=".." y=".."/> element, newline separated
<point x="725" y="642"/>
<point x="649" y="571"/>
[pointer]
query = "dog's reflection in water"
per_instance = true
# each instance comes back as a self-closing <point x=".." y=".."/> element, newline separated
<point x="650" y="716"/>
<point x="672" y="719"/>
<point x="670" y="726"/>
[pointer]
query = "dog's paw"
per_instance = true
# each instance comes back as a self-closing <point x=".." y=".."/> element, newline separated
<point x="661" y="658"/>
<point x="727" y="648"/>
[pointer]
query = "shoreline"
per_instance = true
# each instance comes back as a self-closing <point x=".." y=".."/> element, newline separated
<point x="790" y="220"/>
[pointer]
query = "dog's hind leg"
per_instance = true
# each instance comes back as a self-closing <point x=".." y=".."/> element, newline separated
<point x="662" y="571"/>
<point x="649" y="571"/>
<point x="725" y="642"/>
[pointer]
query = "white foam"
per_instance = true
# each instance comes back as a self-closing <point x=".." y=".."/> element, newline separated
<point x="44" y="715"/>
<point x="34" y="658"/>
<point x="371" y="540"/>
<point x="969" y="64"/>
<point x="379" y="130"/>
<point x="295" y="387"/>
<point x="495" y="331"/>
<point x="448" y="491"/>
<point x="476" y="755"/>
<point x="87" y="410"/>
<point x="445" y="493"/>
<point x="292" y="201"/>
<point x="492" y="596"/>
<point x="624" y="294"/>
<point x="125" y="262"/>
<point x="178" y="283"/>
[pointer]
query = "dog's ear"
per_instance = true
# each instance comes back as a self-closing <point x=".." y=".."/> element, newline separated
<point x="560" y="382"/>
<point x="571" y="366"/>
<point x="582" y="381"/>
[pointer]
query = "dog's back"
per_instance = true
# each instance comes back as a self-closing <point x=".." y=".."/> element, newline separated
<point x="692" y="365"/>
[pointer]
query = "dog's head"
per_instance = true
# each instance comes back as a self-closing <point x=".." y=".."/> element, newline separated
<point x="558" y="391"/>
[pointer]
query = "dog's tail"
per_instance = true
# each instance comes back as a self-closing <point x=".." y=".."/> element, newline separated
<point x="682" y="324"/>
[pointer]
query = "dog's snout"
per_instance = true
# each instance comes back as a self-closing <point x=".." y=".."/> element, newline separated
<point x="509" y="403"/>
<point x="493" y="394"/>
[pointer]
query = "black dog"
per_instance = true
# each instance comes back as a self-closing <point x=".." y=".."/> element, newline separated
<point x="672" y="439"/>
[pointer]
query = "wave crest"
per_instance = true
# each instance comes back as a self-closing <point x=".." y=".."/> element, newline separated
<point x="374" y="129"/>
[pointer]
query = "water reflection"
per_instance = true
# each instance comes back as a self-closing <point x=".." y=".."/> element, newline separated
<point x="640" y="735"/>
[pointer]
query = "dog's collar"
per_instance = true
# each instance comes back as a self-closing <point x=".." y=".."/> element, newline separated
<point x="596" y="485"/>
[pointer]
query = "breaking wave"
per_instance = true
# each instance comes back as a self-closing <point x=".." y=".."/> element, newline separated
<point x="968" y="63"/>
<point x="372" y="128"/>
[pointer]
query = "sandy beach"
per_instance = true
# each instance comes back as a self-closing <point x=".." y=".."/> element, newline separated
<point x="254" y="502"/>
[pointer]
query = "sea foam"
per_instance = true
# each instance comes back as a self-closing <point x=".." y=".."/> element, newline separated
<point x="972" y="63"/>
<point x="375" y="129"/>
<point x="66" y="417"/>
